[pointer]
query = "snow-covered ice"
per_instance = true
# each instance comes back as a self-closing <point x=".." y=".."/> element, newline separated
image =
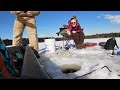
<point x="95" y="63"/>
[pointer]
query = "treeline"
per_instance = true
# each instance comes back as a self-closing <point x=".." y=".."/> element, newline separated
<point x="25" y="41"/>
<point x="103" y="35"/>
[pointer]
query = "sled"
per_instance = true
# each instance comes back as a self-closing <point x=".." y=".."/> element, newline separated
<point x="90" y="44"/>
<point x="31" y="67"/>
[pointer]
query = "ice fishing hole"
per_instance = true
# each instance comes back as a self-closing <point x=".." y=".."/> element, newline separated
<point x="70" y="68"/>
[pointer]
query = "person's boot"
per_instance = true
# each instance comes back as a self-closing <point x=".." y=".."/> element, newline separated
<point x="80" y="46"/>
<point x="36" y="53"/>
<point x="83" y="45"/>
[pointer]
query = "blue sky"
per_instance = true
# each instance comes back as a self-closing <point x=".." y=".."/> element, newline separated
<point x="49" y="22"/>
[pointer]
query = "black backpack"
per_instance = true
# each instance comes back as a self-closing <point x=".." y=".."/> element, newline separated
<point x="110" y="44"/>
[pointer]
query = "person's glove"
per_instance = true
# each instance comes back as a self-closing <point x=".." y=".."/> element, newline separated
<point x="29" y="13"/>
<point x="68" y="32"/>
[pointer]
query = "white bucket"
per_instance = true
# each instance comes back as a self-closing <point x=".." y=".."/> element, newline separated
<point x="50" y="45"/>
